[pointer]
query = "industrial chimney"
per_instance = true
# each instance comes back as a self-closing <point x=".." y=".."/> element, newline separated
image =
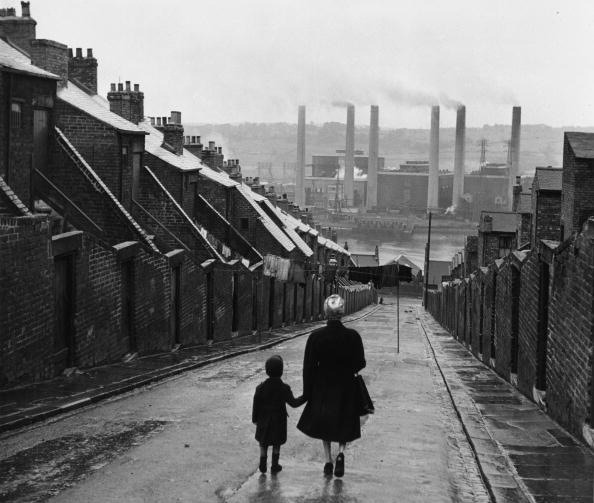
<point x="458" y="188"/>
<point x="373" y="158"/>
<point x="300" y="168"/>
<point x="349" y="156"/>
<point x="514" y="167"/>
<point x="433" y="181"/>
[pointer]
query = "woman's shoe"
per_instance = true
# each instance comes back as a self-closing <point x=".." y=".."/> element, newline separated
<point x="263" y="461"/>
<point x="339" y="468"/>
<point x="275" y="467"/>
<point x="328" y="467"/>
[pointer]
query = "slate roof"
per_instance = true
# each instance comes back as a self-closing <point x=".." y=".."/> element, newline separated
<point x="404" y="260"/>
<point x="14" y="60"/>
<point x="274" y="229"/>
<point x="548" y="179"/>
<point x="503" y="221"/>
<point x="525" y="203"/>
<point x="289" y="228"/>
<point x="153" y="144"/>
<point x="75" y="96"/>
<point x="364" y="259"/>
<point x="582" y="144"/>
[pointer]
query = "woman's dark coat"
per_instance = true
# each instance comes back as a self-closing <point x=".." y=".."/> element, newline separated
<point x="333" y="354"/>
<point x="269" y="412"/>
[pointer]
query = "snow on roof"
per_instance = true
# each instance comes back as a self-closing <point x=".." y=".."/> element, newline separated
<point x="289" y="228"/>
<point x="75" y="96"/>
<point x="15" y="60"/>
<point x="274" y="229"/>
<point x="153" y="144"/>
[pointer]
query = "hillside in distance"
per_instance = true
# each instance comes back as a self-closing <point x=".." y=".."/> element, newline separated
<point x="275" y="143"/>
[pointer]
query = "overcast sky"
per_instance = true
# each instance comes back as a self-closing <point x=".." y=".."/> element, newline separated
<point x="257" y="60"/>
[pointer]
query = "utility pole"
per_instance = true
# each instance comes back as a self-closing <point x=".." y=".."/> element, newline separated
<point x="427" y="255"/>
<point x="397" y="308"/>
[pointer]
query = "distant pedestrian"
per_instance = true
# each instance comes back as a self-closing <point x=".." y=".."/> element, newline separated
<point x="333" y="355"/>
<point x="269" y="413"/>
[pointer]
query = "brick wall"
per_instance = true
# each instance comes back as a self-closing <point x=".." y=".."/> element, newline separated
<point x="16" y="161"/>
<point x="503" y="308"/>
<point x="101" y="146"/>
<point x="571" y="325"/>
<point x="547" y="216"/>
<point x="26" y="310"/>
<point x="578" y="188"/>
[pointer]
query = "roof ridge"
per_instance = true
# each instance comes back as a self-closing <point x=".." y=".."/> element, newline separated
<point x="90" y="174"/>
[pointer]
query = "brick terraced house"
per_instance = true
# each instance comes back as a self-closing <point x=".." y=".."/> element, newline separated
<point x="116" y="240"/>
<point x="530" y="314"/>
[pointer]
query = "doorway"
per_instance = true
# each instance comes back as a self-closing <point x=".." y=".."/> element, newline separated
<point x="64" y="311"/>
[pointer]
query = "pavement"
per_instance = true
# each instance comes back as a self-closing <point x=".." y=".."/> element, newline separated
<point x="24" y="405"/>
<point x="523" y="454"/>
<point x="446" y="429"/>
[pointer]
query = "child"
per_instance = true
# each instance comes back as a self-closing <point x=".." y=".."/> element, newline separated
<point x="269" y="412"/>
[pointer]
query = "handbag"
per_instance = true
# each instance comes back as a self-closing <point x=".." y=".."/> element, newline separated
<point x="365" y="404"/>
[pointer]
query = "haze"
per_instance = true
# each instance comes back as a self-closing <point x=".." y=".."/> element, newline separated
<point x="256" y="61"/>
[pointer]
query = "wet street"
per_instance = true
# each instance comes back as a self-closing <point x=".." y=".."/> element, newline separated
<point x="190" y="438"/>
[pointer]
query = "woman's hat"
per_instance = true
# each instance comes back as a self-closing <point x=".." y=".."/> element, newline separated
<point x="334" y="306"/>
<point x="274" y="366"/>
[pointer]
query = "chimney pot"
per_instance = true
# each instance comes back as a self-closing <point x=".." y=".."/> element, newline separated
<point x="89" y="53"/>
<point x="136" y="88"/>
<point x="120" y="86"/>
<point x="220" y="150"/>
<point x="70" y="52"/>
<point x="197" y="139"/>
<point x="127" y="85"/>
<point x="158" y="121"/>
<point x="11" y="11"/>
<point x="25" y="9"/>
<point x="2" y="12"/>
<point x="518" y="180"/>
<point x="78" y="52"/>
<point x="211" y="145"/>
<point x="113" y="87"/>
<point x="176" y="117"/>
<point x="152" y="121"/>
<point x="164" y="120"/>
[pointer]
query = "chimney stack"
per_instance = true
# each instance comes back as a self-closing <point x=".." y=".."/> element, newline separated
<point x="458" y="188"/>
<point x="516" y="193"/>
<point x="372" y="165"/>
<point x="83" y="70"/>
<point x="173" y="134"/>
<point x="433" y="179"/>
<point x="127" y="103"/>
<point x="300" y="168"/>
<point x="19" y="30"/>
<point x="349" y="156"/>
<point x="514" y="168"/>
<point x="51" y="56"/>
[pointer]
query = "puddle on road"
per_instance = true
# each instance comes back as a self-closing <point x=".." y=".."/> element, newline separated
<point x="42" y="471"/>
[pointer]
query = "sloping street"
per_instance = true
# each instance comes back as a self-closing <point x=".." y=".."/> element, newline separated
<point x="190" y="438"/>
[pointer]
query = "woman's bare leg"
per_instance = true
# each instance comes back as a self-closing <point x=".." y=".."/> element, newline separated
<point x="341" y="448"/>
<point x="327" y="450"/>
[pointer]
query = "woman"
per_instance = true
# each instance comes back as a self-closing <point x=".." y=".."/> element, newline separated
<point x="333" y="354"/>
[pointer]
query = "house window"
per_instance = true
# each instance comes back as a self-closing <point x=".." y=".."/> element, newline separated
<point x="244" y="224"/>
<point x="15" y="115"/>
<point x="505" y="245"/>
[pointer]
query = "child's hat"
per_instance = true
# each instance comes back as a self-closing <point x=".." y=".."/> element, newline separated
<point x="274" y="366"/>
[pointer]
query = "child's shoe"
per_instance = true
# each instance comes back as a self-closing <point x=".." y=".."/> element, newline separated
<point x="328" y="467"/>
<point x="275" y="467"/>
<point x="263" y="462"/>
